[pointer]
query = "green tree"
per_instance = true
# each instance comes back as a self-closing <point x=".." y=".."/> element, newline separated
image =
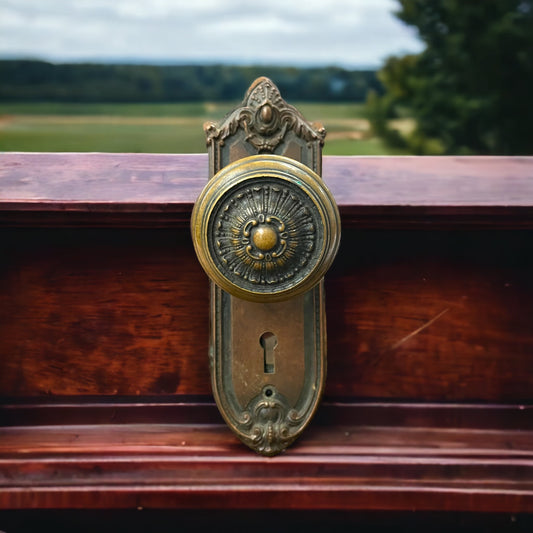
<point x="470" y="90"/>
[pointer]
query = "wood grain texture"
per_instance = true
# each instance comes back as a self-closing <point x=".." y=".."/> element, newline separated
<point x="440" y="316"/>
<point x="401" y="462"/>
<point x="105" y="400"/>
<point x="88" y="312"/>
<point x="203" y="466"/>
<point x="431" y="315"/>
<point x="160" y="189"/>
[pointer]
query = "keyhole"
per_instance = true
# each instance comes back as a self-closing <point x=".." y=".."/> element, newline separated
<point x="268" y="341"/>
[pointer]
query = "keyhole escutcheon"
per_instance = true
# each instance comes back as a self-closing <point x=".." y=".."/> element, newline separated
<point x="268" y="342"/>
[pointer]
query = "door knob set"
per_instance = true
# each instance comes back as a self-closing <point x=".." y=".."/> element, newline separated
<point x="266" y="229"/>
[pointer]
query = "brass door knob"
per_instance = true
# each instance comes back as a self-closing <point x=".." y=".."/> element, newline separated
<point x="266" y="228"/>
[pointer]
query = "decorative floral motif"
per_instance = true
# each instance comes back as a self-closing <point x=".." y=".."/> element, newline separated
<point x="264" y="234"/>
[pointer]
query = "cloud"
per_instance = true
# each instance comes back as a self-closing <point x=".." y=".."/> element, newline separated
<point x="344" y="32"/>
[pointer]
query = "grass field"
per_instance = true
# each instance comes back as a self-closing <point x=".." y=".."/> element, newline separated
<point x="159" y="128"/>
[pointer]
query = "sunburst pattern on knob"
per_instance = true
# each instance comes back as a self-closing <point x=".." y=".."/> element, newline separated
<point x="266" y="228"/>
<point x="265" y="234"/>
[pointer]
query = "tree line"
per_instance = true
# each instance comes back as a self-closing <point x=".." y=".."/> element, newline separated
<point x="31" y="80"/>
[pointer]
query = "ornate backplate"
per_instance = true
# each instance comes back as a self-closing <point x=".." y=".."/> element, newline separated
<point x="266" y="230"/>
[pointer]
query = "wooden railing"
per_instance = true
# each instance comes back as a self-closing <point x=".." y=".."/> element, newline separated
<point x="159" y="190"/>
<point x="104" y="381"/>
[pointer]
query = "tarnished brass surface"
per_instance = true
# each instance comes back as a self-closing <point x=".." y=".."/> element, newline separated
<point x="264" y="124"/>
<point x="266" y="229"/>
<point x="268" y="411"/>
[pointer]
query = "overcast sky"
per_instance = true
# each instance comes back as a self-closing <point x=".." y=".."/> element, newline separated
<point x="350" y="33"/>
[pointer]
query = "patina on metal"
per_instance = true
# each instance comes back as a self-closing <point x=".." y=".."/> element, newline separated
<point x="266" y="229"/>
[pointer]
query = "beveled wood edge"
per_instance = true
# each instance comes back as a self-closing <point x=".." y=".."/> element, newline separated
<point x="159" y="190"/>
<point x="356" y="497"/>
<point x="147" y="453"/>
<point x="392" y="463"/>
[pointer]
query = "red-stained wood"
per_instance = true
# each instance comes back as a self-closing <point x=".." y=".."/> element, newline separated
<point x="164" y="179"/>
<point x="159" y="189"/>
<point x="440" y="316"/>
<point x="102" y="313"/>
<point x="104" y="381"/>
<point x="399" y="463"/>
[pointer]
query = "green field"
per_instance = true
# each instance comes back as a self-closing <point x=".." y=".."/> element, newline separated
<point x="159" y="128"/>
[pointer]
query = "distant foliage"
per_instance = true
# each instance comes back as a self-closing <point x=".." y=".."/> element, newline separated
<point x="470" y="90"/>
<point x="22" y="80"/>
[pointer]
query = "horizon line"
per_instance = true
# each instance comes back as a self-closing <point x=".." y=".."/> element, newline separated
<point x="185" y="62"/>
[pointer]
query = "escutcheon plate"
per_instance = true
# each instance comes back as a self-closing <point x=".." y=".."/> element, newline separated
<point x="265" y="230"/>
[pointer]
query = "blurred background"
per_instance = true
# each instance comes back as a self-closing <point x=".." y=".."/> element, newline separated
<point x="383" y="76"/>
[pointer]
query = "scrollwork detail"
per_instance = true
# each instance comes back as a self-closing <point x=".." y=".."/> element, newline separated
<point x="271" y="423"/>
<point x="265" y="118"/>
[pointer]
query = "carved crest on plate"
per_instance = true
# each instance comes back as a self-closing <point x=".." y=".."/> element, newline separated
<point x="266" y="119"/>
